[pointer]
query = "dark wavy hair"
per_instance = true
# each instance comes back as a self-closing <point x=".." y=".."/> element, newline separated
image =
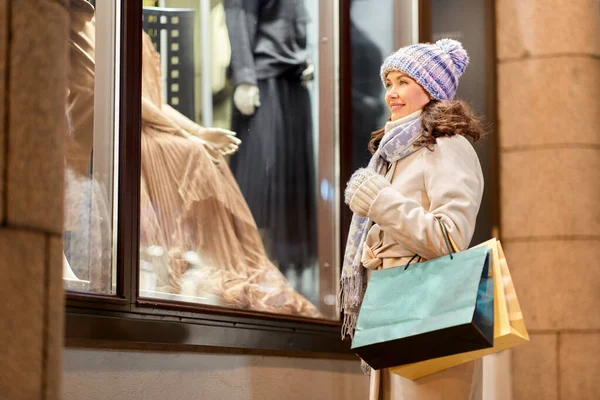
<point x="441" y="118"/>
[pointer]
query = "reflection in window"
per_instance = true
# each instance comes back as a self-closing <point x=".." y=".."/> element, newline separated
<point x="87" y="239"/>
<point x="371" y="34"/>
<point x="223" y="222"/>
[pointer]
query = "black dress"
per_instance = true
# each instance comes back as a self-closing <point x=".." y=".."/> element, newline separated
<point x="275" y="165"/>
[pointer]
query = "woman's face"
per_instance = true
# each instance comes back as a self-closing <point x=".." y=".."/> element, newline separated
<point x="403" y="95"/>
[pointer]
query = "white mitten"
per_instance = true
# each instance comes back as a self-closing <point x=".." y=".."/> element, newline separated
<point x="246" y="98"/>
<point x="362" y="189"/>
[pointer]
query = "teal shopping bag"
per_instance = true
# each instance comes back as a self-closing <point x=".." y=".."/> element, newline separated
<point x="432" y="309"/>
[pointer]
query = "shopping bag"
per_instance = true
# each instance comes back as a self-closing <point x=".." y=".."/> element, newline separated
<point x="509" y="325"/>
<point x="428" y="310"/>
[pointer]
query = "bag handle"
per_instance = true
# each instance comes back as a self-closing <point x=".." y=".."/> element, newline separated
<point x="449" y="243"/>
<point x="411" y="260"/>
<point x="451" y="249"/>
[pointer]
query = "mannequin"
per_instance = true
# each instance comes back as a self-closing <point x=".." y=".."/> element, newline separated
<point x="192" y="208"/>
<point x="275" y="168"/>
<point x="87" y="231"/>
<point x="197" y="235"/>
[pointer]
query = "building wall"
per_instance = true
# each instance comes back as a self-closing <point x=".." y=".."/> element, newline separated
<point x="136" y="375"/>
<point x="548" y="54"/>
<point x="32" y="122"/>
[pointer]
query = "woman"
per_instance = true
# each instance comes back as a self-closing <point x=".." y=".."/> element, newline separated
<point x="422" y="168"/>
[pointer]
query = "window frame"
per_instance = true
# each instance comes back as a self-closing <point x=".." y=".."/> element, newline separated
<point x="125" y="321"/>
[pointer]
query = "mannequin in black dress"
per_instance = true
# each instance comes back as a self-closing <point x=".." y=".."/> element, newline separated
<point x="272" y="116"/>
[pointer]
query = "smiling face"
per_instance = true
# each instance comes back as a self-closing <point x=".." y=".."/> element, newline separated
<point x="403" y="95"/>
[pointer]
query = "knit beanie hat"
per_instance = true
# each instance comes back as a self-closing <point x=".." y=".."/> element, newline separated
<point x="436" y="67"/>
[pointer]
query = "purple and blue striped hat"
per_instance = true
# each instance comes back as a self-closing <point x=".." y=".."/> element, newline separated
<point x="436" y="67"/>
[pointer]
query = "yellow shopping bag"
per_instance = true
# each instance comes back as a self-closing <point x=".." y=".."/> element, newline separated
<point x="509" y="326"/>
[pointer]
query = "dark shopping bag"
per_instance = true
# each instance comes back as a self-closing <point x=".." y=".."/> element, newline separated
<point x="427" y="310"/>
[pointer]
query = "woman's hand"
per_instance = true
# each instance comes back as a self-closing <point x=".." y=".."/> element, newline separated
<point x="362" y="189"/>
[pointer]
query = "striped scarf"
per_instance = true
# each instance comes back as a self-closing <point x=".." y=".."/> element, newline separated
<point x="397" y="143"/>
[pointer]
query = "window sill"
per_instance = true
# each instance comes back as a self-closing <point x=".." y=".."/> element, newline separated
<point x="204" y="333"/>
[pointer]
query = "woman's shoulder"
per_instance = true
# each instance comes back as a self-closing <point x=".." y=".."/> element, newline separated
<point x="455" y="141"/>
<point x="447" y="145"/>
<point x="453" y="151"/>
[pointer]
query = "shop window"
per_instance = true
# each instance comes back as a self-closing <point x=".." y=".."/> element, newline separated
<point x="231" y="178"/>
<point x="175" y="227"/>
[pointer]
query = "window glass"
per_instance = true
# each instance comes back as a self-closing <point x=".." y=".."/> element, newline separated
<point x="372" y="39"/>
<point x="88" y="238"/>
<point x="231" y="181"/>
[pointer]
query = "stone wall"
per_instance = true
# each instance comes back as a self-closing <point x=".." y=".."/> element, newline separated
<point x="33" y="67"/>
<point x="548" y="59"/>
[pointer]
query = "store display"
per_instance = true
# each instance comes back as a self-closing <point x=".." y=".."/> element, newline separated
<point x="272" y="116"/>
<point x="198" y="238"/>
<point x="196" y="228"/>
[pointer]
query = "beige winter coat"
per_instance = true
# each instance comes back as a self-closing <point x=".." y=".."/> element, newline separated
<point x="448" y="183"/>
